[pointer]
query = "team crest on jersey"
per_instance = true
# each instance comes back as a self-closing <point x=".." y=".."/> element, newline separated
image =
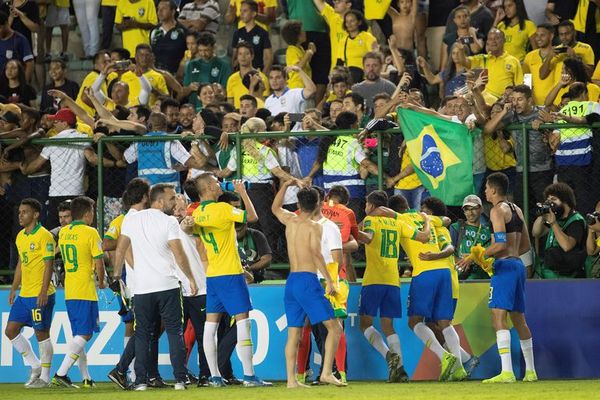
<point x="141" y="11"/>
<point x="256" y="40"/>
<point x="508" y="67"/>
<point x="174" y="35"/>
<point x="214" y="72"/>
<point x="49" y="247"/>
<point x="32" y="246"/>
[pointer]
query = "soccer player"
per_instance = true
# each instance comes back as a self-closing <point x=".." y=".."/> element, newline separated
<point x="81" y="250"/>
<point x="304" y="295"/>
<point x="380" y="293"/>
<point x="35" y="303"/>
<point x="507" y="286"/>
<point x="226" y="288"/>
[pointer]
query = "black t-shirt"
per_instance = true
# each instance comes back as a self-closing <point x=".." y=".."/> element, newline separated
<point x="255" y="245"/>
<point x="69" y="87"/>
<point x="258" y="38"/>
<point x="20" y="94"/>
<point x="576" y="230"/>
<point x="439" y="11"/>
<point x="168" y="47"/>
<point x="31" y="10"/>
<point x="565" y="9"/>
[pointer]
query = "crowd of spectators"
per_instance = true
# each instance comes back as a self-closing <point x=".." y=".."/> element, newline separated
<point x="297" y="65"/>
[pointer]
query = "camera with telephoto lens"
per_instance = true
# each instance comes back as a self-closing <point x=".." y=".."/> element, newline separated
<point x="593" y="218"/>
<point x="545" y="208"/>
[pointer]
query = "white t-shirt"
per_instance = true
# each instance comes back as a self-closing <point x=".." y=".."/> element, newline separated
<point x="198" y="269"/>
<point x="291" y="101"/>
<point x="154" y="266"/>
<point x="67" y="164"/>
<point x="331" y="239"/>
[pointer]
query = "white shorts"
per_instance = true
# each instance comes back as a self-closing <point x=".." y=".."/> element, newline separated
<point x="57" y="16"/>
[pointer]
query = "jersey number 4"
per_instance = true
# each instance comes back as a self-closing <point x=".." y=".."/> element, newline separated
<point x="69" y="254"/>
<point x="209" y="239"/>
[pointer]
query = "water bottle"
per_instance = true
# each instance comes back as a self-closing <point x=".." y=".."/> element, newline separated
<point x="227" y="186"/>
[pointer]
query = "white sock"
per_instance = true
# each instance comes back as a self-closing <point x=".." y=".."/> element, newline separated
<point x="75" y="347"/>
<point x="394" y="343"/>
<point x="23" y="346"/>
<point x="503" y="340"/>
<point x="83" y="365"/>
<point x="46" y="353"/>
<point x="376" y="340"/>
<point x="209" y="342"/>
<point x="244" y="345"/>
<point x="452" y="340"/>
<point x="427" y="336"/>
<point x="527" y="348"/>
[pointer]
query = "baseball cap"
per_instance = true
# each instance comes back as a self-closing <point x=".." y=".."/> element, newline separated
<point x="65" y="115"/>
<point x="472" y="201"/>
<point x="10" y="117"/>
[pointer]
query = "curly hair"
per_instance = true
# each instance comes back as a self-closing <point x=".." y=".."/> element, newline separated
<point x="563" y="192"/>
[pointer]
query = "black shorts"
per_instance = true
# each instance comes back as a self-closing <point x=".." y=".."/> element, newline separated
<point x="321" y="62"/>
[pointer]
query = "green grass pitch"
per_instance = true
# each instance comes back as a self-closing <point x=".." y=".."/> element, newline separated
<point x="543" y="390"/>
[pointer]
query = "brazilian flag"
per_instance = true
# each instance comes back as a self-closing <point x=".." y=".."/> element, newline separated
<point x="442" y="154"/>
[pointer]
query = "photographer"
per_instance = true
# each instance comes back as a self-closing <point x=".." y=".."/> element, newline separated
<point x="592" y="244"/>
<point x="564" y="252"/>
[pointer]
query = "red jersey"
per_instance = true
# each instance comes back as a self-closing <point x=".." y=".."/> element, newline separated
<point x="343" y="217"/>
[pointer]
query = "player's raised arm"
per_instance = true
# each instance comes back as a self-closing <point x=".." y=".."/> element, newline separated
<point x="122" y="245"/>
<point x="499" y="238"/>
<point x="277" y="209"/>
<point x="240" y="189"/>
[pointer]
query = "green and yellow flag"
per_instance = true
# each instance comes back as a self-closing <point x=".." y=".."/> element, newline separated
<point x="442" y="154"/>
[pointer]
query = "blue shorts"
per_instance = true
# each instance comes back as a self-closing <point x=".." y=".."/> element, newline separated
<point x="430" y="296"/>
<point x="507" y="286"/>
<point x="83" y="316"/>
<point x="227" y="293"/>
<point x="382" y="300"/>
<point x="25" y="311"/>
<point x="304" y="296"/>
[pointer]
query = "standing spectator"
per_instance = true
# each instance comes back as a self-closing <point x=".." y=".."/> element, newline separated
<point x="503" y="69"/>
<point x="144" y="59"/>
<point x="518" y="30"/>
<point x="267" y="13"/>
<point x="471" y="231"/>
<point x="373" y="83"/>
<point x="168" y="39"/>
<point x="575" y="49"/>
<point x="451" y="78"/>
<point x="358" y="43"/>
<point x="404" y="23"/>
<point x="206" y="68"/>
<point x="57" y="15"/>
<point x="201" y="16"/>
<point x="101" y="60"/>
<point x="558" y="10"/>
<point x="586" y="22"/>
<point x="14" y="86"/>
<point x="465" y="33"/>
<point x="254" y="34"/>
<point x="108" y="8"/>
<point x="316" y="32"/>
<point x="57" y="72"/>
<point x="86" y="12"/>
<point x="482" y="17"/>
<point x="24" y="17"/>
<point x="499" y="151"/>
<point x="284" y="99"/>
<point x="235" y="83"/>
<point x="135" y="19"/>
<point x="439" y="10"/>
<point x="334" y="17"/>
<point x="542" y="64"/>
<point x="155" y="239"/>
<point x="293" y="34"/>
<point x="14" y="46"/>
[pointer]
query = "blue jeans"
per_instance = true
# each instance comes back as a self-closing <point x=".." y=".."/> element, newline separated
<point x="414" y="197"/>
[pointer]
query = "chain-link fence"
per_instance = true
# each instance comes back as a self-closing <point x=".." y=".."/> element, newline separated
<point x="341" y="160"/>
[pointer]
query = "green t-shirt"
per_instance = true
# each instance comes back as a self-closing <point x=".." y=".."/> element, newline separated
<point x="306" y="11"/>
<point x="467" y="237"/>
<point x="223" y="156"/>
<point x="372" y="179"/>
<point x="214" y="71"/>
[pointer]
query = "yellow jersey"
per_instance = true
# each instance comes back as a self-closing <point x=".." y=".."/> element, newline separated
<point x="109" y="3"/>
<point x="581" y="16"/>
<point x="293" y="55"/>
<point x="593" y="93"/>
<point x="142" y="11"/>
<point x="61" y="3"/>
<point x="540" y="87"/>
<point x="236" y="89"/>
<point x="446" y="240"/>
<point x="34" y="249"/>
<point x="87" y="82"/>
<point x="383" y="251"/>
<point x="495" y="158"/>
<point x="337" y="34"/>
<point x="376" y="9"/>
<point x="596" y="74"/>
<point x="517" y="40"/>
<point x="411" y="181"/>
<point x="215" y="225"/>
<point x="413" y="247"/>
<point x="262" y="5"/>
<point x="157" y="81"/>
<point x="352" y="50"/>
<point x="504" y="70"/>
<point x="79" y="245"/>
<point x="114" y="229"/>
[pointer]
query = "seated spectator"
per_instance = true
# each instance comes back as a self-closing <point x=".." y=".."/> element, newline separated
<point x="358" y="43"/>
<point x="573" y="71"/>
<point x="168" y="40"/>
<point x="201" y="16"/>
<point x="295" y="55"/>
<point x="266" y="15"/>
<point x="235" y="83"/>
<point x="518" y="30"/>
<point x="135" y="19"/>
<point x="373" y="83"/>
<point x="14" y="86"/>
<point x="473" y="230"/>
<point x="542" y="65"/>
<point x="284" y="99"/>
<point x="452" y="77"/>
<point x="564" y="251"/>
<point x="57" y="72"/>
<point x="14" y="46"/>
<point x="465" y="34"/>
<point x="254" y="34"/>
